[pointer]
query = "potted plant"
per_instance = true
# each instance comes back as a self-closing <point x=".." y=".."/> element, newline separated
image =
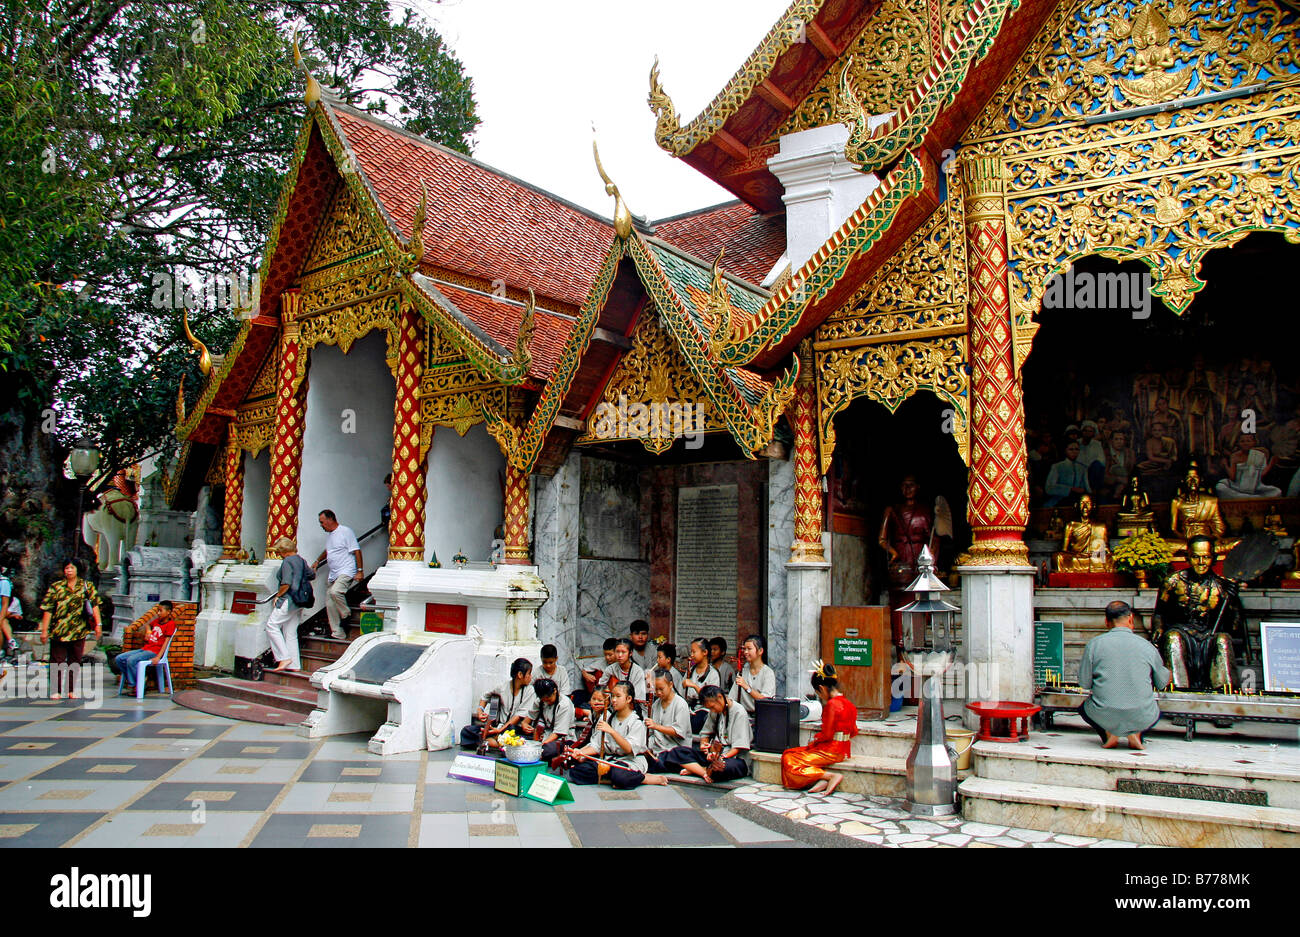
<point x="1146" y="555"/>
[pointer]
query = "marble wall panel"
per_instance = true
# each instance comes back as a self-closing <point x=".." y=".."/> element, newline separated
<point x="555" y="550"/>
<point x="611" y="594"/>
<point x="780" y="535"/>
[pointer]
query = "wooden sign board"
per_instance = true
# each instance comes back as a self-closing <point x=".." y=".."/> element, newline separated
<point x="1280" y="643"/>
<point x="1049" y="651"/>
<point x="549" y="789"/>
<point x="474" y="768"/>
<point x="855" y="638"/>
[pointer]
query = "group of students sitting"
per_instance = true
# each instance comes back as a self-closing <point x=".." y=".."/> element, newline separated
<point x="641" y="724"/>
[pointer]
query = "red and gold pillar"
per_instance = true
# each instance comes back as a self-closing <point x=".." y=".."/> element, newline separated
<point x="807" y="545"/>
<point x="290" y="422"/>
<point x="232" y="516"/>
<point x="518" y="543"/>
<point x="406" y="524"/>
<point x="999" y="490"/>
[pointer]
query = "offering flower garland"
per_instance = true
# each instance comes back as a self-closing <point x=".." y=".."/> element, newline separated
<point x="1146" y="551"/>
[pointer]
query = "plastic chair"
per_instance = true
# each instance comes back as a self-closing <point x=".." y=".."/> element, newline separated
<point x="141" y="669"/>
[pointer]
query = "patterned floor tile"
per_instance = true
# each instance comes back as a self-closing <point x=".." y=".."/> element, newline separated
<point x="35" y="745"/>
<point x="42" y="830"/>
<point x="297" y="830"/>
<point x="73" y="795"/>
<point x="297" y="750"/>
<point x="167" y="829"/>
<point x="244" y="770"/>
<point x="221" y="796"/>
<point x="633" y="828"/>
<point x="348" y="798"/>
<point x="109" y="769"/>
<point x="402" y="772"/>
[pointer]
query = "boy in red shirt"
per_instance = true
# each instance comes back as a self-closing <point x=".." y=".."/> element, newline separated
<point x="160" y="628"/>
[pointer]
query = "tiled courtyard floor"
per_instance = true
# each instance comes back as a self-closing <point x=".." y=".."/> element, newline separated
<point x="150" y="773"/>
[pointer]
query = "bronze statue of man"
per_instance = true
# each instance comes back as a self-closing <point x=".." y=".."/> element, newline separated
<point x="1197" y="614"/>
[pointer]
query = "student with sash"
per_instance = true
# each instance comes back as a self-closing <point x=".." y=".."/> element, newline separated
<point x="698" y="676"/>
<point x="618" y="739"/>
<point x="553" y="713"/>
<point x="718" y="659"/>
<point x="624" y="668"/>
<point x="729" y="723"/>
<point x="551" y="669"/>
<point x="669" y="724"/>
<point x="517" y="700"/>
<point x="756" y="680"/>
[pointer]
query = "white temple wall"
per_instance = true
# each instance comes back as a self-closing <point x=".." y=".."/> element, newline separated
<point x="257" y="494"/>
<point x="347" y="446"/>
<point x="465" y="505"/>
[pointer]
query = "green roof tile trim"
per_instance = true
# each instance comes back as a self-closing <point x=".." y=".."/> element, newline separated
<point x="523" y="455"/>
<point x="816" y="278"/>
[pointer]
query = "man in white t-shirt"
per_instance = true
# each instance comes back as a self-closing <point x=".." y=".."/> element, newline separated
<point x="346" y="569"/>
<point x="10" y="609"/>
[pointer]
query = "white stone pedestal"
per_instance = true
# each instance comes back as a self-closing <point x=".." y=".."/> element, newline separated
<point x="997" y="605"/>
<point x="501" y="610"/>
<point x="808" y="589"/>
<point x="220" y="635"/>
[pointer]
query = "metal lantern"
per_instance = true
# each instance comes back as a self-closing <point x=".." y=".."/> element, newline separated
<point x="84" y="458"/>
<point x="931" y="768"/>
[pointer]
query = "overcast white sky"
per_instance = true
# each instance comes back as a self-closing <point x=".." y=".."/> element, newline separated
<point x="545" y="71"/>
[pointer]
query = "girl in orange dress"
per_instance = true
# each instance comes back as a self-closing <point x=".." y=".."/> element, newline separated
<point x="801" y="767"/>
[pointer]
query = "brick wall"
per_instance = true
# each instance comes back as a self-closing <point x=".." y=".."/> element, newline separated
<point x="181" y="655"/>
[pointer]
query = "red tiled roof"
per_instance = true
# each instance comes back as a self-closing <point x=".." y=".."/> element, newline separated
<point x="500" y="320"/>
<point x="480" y="221"/>
<point x="754" y="241"/>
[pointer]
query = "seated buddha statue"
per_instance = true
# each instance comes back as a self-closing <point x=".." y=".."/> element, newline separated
<point x="1084" y="548"/>
<point x="1135" y="514"/>
<point x="1194" y="512"/>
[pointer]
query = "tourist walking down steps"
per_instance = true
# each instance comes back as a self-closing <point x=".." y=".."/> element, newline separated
<point x="344" y="555"/>
<point x="282" y="625"/>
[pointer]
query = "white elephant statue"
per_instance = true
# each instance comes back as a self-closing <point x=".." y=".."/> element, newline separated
<point x="110" y="530"/>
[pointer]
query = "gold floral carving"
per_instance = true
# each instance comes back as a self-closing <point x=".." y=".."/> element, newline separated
<point x="1162" y="187"/>
<point x="453" y="392"/>
<point x="1102" y="56"/>
<point x="344" y="235"/>
<point x="264" y="383"/>
<point x="653" y="373"/>
<point x="882" y="66"/>
<point x="344" y="325"/>
<point x="889" y="373"/>
<point x="462" y="410"/>
<point x="920" y="288"/>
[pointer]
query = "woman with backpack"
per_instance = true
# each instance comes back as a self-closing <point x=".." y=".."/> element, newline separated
<point x="295" y="594"/>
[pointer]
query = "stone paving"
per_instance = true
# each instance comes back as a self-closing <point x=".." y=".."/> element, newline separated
<point x="881" y="821"/>
<point x="149" y="773"/>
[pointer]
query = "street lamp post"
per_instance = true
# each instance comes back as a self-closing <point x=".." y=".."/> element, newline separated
<point x="84" y="460"/>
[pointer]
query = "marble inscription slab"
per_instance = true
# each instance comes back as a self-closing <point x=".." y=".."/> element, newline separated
<point x="706" y="562"/>
<point x="610" y="511"/>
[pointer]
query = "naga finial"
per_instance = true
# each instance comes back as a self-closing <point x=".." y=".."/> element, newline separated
<point x="180" y="402"/>
<point x="622" y="216"/>
<point x="417" y="224"/>
<point x="849" y="110"/>
<point x="667" y="125"/>
<point x="205" y="359"/>
<point x="718" y="309"/>
<point x="312" y="94"/>
<point x="523" y="358"/>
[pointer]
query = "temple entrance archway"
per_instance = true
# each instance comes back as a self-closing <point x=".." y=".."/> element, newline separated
<point x="1105" y="361"/>
<point x="875" y="450"/>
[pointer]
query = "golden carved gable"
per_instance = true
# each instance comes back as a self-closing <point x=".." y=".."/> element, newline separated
<point x="1102" y="56"/>
<point x="888" y="57"/>
<point x="454" y="393"/>
<point x="649" y="392"/>
<point x="344" y="233"/>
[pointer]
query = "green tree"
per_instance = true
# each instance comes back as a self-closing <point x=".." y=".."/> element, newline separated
<point x="145" y="139"/>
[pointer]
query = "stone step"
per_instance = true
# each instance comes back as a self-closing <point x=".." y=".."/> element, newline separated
<point x="320" y="646"/>
<point x="315" y="660"/>
<point x="1231" y="771"/>
<point x="1137" y="818"/>
<point x="274" y="695"/>
<point x="863" y="774"/>
<point x="294" y="679"/>
<point x="877" y="739"/>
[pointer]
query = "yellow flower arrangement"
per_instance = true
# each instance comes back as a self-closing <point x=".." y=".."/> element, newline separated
<point x="512" y="738"/>
<point x="1146" y="550"/>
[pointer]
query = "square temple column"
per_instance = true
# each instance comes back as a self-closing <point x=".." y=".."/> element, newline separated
<point x="997" y="577"/>
<point x="808" y="575"/>
<point x="290" y="424"/>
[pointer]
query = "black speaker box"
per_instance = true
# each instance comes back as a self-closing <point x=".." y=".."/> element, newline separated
<point x="776" y="724"/>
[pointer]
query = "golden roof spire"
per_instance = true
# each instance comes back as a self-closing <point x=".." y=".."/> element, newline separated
<point x="312" y="94"/>
<point x="622" y="217"/>
<point x="205" y="359"/>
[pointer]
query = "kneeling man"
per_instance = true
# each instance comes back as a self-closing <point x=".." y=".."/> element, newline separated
<point x="1123" y="671"/>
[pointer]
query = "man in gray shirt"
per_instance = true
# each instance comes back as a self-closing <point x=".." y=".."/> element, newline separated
<point x="1122" y="670"/>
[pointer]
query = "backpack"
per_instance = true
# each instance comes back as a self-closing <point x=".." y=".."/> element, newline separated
<point x="303" y="596"/>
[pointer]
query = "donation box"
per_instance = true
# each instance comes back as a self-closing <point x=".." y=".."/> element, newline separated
<point x="855" y="638"/>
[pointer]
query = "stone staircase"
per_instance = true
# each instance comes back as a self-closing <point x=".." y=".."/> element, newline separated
<point x="1211" y="792"/>
<point x="879" y="761"/>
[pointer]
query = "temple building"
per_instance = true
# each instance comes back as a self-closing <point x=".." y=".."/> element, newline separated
<point x="986" y="256"/>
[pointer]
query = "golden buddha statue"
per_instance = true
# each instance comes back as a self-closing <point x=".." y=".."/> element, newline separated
<point x="1273" y="522"/>
<point x="1194" y="512"/>
<point x="1135" y="514"/>
<point x="1084" y="548"/>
